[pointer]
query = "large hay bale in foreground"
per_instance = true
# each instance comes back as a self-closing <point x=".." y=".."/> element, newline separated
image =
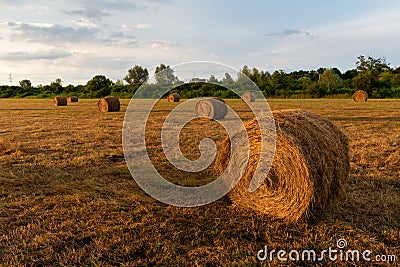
<point x="211" y="108"/>
<point x="109" y="104"/>
<point x="73" y="99"/>
<point x="360" y="96"/>
<point x="248" y="97"/>
<point x="60" y="101"/>
<point x="310" y="166"/>
<point x="174" y="97"/>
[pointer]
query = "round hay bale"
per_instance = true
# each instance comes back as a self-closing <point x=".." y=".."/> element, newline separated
<point x="248" y="97"/>
<point x="109" y="104"/>
<point x="360" y="96"/>
<point x="73" y="99"/>
<point x="60" y="101"/>
<point x="311" y="164"/>
<point x="211" y="108"/>
<point x="174" y="97"/>
<point x="219" y="99"/>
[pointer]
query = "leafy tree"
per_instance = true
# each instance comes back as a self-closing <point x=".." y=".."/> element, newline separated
<point x="364" y="81"/>
<point x="227" y="80"/>
<point x="255" y="76"/>
<point x="246" y="71"/>
<point x="395" y="81"/>
<point x="330" y="80"/>
<point x="56" y="87"/>
<point x="304" y="82"/>
<point x="321" y="70"/>
<point x="375" y="65"/>
<point x="59" y="81"/>
<point x="137" y="75"/>
<point x="260" y="78"/>
<point x="244" y="77"/>
<point x="212" y="79"/>
<point x="337" y="71"/>
<point x="279" y="80"/>
<point x="70" y="89"/>
<point x="165" y="75"/>
<point x="349" y="74"/>
<point x="99" y="86"/>
<point x="314" y="90"/>
<point x="368" y="77"/>
<point x="119" y="83"/>
<point x="314" y="75"/>
<point x="371" y="74"/>
<point x="25" y="84"/>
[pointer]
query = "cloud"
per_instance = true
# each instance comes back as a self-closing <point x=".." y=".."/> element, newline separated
<point x="164" y="45"/>
<point x="122" y="38"/>
<point x="37" y="55"/>
<point x="289" y="32"/>
<point x="82" y="22"/>
<point x="125" y="28"/>
<point x="144" y="26"/>
<point x="52" y="34"/>
<point x="95" y="61"/>
<point x="90" y="12"/>
<point x="58" y="35"/>
<point x="12" y="3"/>
<point x="124" y="5"/>
<point x="98" y="9"/>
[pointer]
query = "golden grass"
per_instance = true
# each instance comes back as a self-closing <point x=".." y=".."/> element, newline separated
<point x="67" y="198"/>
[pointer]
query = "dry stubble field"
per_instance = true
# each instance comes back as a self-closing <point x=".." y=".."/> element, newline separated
<point x="68" y="199"/>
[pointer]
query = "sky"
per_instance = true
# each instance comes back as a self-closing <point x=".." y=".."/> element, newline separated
<point x="75" y="40"/>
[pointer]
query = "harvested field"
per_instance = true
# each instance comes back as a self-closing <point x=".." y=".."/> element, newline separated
<point x="68" y="199"/>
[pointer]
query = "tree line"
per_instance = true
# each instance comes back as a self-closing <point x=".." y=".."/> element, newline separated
<point x="373" y="75"/>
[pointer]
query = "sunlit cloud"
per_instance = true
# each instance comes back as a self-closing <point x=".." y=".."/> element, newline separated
<point x="144" y="26"/>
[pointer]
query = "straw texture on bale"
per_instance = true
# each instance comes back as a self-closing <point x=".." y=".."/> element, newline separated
<point x="109" y="104"/>
<point x="60" y="101"/>
<point x="73" y="99"/>
<point x="360" y="96"/>
<point x="174" y="97"/>
<point x="310" y="167"/>
<point x="211" y="108"/>
<point x="248" y="97"/>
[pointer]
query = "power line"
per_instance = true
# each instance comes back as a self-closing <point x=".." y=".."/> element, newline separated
<point x="10" y="79"/>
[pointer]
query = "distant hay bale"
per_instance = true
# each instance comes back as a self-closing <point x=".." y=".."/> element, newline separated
<point x="109" y="104"/>
<point x="60" y="101"/>
<point x="248" y="97"/>
<point x="360" y="96"/>
<point x="174" y="97"/>
<point x="73" y="99"/>
<point x="311" y="164"/>
<point x="211" y="108"/>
